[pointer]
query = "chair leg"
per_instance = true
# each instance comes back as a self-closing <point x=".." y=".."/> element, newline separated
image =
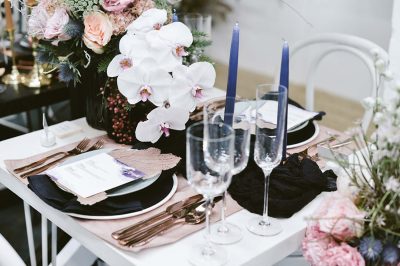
<point x="53" y="244"/>
<point x="44" y="242"/>
<point x="29" y="233"/>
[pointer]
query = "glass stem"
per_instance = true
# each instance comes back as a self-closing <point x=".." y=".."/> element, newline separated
<point x="265" y="218"/>
<point x="223" y="228"/>
<point x="208" y="249"/>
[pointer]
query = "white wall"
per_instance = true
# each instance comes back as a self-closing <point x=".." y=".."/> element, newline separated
<point x="264" y="23"/>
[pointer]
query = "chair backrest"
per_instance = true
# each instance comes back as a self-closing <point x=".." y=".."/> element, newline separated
<point x="368" y="52"/>
<point x="8" y="255"/>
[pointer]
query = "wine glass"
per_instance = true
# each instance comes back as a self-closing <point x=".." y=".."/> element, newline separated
<point x="209" y="159"/>
<point x="198" y="22"/>
<point x="214" y="111"/>
<point x="270" y="130"/>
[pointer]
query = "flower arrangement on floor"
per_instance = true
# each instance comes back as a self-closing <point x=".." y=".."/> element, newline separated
<point x="143" y="52"/>
<point x="360" y="223"/>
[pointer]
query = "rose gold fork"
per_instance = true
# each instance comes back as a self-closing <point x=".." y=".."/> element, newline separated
<point x="78" y="150"/>
<point x="42" y="161"/>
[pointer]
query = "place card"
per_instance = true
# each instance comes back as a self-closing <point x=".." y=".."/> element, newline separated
<point x="65" y="129"/>
<point x="296" y="116"/>
<point x="93" y="175"/>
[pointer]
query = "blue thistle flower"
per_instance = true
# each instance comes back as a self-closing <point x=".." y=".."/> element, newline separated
<point x="43" y="57"/>
<point x="74" y="29"/>
<point x="66" y="73"/>
<point x="370" y="248"/>
<point x="391" y="254"/>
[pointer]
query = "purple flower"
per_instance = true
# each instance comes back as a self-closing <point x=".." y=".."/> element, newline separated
<point x="391" y="254"/>
<point x="131" y="173"/>
<point x="370" y="248"/>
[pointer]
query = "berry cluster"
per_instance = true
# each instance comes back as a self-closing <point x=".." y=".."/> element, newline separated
<point x="121" y="126"/>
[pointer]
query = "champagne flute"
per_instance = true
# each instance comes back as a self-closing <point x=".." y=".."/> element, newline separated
<point x="209" y="159"/>
<point x="214" y="111"/>
<point x="270" y="130"/>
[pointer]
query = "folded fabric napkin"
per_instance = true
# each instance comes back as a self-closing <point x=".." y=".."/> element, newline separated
<point x="293" y="184"/>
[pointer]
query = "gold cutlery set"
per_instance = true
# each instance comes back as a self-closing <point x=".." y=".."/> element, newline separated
<point x="189" y="211"/>
<point x="38" y="167"/>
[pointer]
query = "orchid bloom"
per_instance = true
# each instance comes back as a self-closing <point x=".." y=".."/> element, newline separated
<point x="134" y="46"/>
<point x="152" y="19"/>
<point x="160" y="121"/>
<point x="119" y="64"/>
<point x="145" y="82"/>
<point x="170" y="42"/>
<point x="191" y="84"/>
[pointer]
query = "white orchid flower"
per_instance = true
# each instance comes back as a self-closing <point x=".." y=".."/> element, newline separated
<point x="145" y="82"/>
<point x="160" y="121"/>
<point x="191" y="84"/>
<point x="152" y="19"/>
<point x="134" y="46"/>
<point x="170" y="42"/>
<point x="119" y="64"/>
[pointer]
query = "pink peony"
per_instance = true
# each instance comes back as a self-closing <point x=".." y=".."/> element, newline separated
<point x="339" y="217"/>
<point x="37" y="22"/>
<point x="55" y="25"/>
<point x="315" y="244"/>
<point x="98" y="31"/>
<point x="343" y="255"/>
<point x="115" y="5"/>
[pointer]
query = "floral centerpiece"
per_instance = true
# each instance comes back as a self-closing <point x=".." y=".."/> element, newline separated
<point x="148" y="85"/>
<point x="360" y="223"/>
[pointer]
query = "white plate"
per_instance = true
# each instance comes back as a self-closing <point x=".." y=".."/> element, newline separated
<point x="316" y="132"/>
<point x="121" y="216"/>
<point x="124" y="189"/>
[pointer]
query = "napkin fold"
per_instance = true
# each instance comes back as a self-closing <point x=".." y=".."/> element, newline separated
<point x="293" y="184"/>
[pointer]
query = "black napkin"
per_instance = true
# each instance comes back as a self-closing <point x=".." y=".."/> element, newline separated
<point x="50" y="193"/>
<point x="293" y="185"/>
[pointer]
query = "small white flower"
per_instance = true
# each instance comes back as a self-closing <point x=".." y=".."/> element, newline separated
<point x="160" y="121"/>
<point x="368" y="103"/>
<point x="145" y="82"/>
<point x="119" y="64"/>
<point x="380" y="65"/>
<point x="152" y="19"/>
<point x="379" y="118"/>
<point x="191" y="84"/>
<point x="392" y="184"/>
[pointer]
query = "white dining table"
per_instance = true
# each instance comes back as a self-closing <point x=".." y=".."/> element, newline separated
<point x="251" y="250"/>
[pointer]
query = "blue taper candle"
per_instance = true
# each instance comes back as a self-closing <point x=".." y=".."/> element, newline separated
<point x="232" y="76"/>
<point x="284" y="81"/>
<point x="175" y="16"/>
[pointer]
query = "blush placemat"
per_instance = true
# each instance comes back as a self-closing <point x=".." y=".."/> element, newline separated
<point x="104" y="229"/>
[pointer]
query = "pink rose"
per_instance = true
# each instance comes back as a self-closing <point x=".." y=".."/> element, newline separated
<point x="55" y="25"/>
<point x="315" y="244"/>
<point x="343" y="255"/>
<point x="98" y="31"/>
<point x="115" y="5"/>
<point x="339" y="217"/>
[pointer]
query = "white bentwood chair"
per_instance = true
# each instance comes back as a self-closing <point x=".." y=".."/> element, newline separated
<point x="374" y="57"/>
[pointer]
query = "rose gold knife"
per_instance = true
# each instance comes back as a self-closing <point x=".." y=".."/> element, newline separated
<point x="169" y="211"/>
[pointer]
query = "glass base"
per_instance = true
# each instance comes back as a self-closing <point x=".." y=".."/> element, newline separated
<point x="259" y="227"/>
<point x="225" y="235"/>
<point x="201" y="255"/>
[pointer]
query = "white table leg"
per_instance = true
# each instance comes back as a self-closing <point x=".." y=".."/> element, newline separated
<point x="44" y="241"/>
<point x="29" y="233"/>
<point x="53" y="244"/>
